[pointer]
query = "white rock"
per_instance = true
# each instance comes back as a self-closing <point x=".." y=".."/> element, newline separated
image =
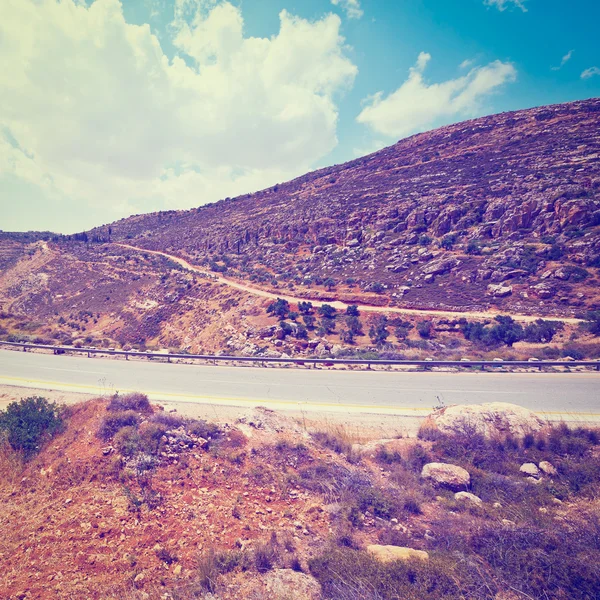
<point x="468" y="497"/>
<point x="530" y="469"/>
<point x="493" y="420"/>
<point x="445" y="474"/>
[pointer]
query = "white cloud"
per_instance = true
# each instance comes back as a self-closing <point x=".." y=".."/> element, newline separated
<point x="590" y="72"/>
<point x="565" y="59"/>
<point x="352" y="8"/>
<point x="416" y="106"/>
<point x="465" y="64"/>
<point x="94" y="111"/>
<point x="504" y="4"/>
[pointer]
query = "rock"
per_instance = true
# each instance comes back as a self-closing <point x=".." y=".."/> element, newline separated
<point x="493" y="420"/>
<point x="389" y="553"/>
<point x="530" y="469"/>
<point x="353" y="243"/>
<point x="177" y="570"/>
<point x="468" y="497"/>
<point x="548" y="468"/>
<point x="441" y="266"/>
<point x="283" y="584"/>
<point x="451" y="476"/>
<point x="499" y="290"/>
<point x="544" y="290"/>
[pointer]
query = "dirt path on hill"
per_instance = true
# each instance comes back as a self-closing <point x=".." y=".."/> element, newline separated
<point x="336" y="303"/>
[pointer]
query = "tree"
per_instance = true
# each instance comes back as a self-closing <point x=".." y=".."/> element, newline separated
<point x="347" y="336"/>
<point x="354" y="325"/>
<point x="541" y="331"/>
<point x="279" y="308"/>
<point x="309" y="321"/>
<point x="424" y="329"/>
<point x="352" y="310"/>
<point x="301" y="333"/>
<point x="378" y="331"/>
<point x="28" y="423"/>
<point x="293" y="315"/>
<point x="378" y="287"/>
<point x="327" y="311"/>
<point x="330" y="283"/>
<point x="402" y="328"/>
<point x="592" y="322"/>
<point x="327" y="325"/>
<point x="305" y="308"/>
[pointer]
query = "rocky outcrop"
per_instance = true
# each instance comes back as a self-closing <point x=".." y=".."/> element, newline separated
<point x="451" y="476"/>
<point x="494" y="420"/>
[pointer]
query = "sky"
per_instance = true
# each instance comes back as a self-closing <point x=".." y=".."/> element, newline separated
<point x="116" y="107"/>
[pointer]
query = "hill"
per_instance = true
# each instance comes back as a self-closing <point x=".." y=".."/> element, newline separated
<point x="497" y="214"/>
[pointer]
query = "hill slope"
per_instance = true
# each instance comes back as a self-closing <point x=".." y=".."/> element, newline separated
<point x="511" y="197"/>
<point x="498" y="214"/>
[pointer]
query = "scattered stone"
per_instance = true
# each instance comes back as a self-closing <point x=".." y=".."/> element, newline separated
<point x="499" y="290"/>
<point x="530" y="469"/>
<point x="390" y="553"/>
<point x="468" y="497"/>
<point x="451" y="476"/>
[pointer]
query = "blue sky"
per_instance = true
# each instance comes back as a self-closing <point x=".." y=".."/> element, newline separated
<point x="110" y="108"/>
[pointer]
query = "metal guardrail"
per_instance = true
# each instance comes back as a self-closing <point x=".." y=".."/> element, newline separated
<point x="312" y="361"/>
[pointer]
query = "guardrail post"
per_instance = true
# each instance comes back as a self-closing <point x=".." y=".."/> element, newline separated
<point x="89" y="355"/>
<point x="126" y="356"/>
<point x="24" y="348"/>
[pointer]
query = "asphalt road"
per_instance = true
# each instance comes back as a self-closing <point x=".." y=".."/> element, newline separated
<point x="565" y="395"/>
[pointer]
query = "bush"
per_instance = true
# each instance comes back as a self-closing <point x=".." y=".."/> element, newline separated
<point x="424" y="329"/>
<point x="112" y="422"/>
<point x="265" y="556"/>
<point x="127" y="441"/>
<point x="170" y="420"/>
<point x="134" y="401"/>
<point x="28" y="423"/>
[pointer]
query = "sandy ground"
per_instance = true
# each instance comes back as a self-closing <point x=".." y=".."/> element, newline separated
<point x="361" y="427"/>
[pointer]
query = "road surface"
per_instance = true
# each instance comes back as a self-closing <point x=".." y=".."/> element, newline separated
<point x="336" y="303"/>
<point x="572" y="396"/>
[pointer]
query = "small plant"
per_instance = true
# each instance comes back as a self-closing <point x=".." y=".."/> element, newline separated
<point x="27" y="424"/>
<point x="112" y="422"/>
<point x="134" y="401"/>
<point x="265" y="555"/>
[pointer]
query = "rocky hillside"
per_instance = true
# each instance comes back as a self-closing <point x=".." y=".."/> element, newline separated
<point x="502" y="210"/>
<point x="499" y="214"/>
<point x="130" y="502"/>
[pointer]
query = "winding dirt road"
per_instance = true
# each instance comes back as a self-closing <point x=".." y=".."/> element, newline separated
<point x="336" y="303"/>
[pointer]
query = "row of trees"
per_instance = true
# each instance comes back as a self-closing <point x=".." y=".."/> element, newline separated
<point x="326" y="318"/>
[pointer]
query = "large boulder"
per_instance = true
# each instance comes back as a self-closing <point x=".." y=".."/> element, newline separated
<point x="493" y="420"/>
<point x="389" y="553"/>
<point x="447" y="475"/>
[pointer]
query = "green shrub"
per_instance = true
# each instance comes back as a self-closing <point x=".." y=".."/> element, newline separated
<point x="27" y="424"/>
<point x="112" y="422"/>
<point x="127" y="441"/>
<point x="170" y="420"/>
<point x="134" y="401"/>
<point x="204" y="429"/>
